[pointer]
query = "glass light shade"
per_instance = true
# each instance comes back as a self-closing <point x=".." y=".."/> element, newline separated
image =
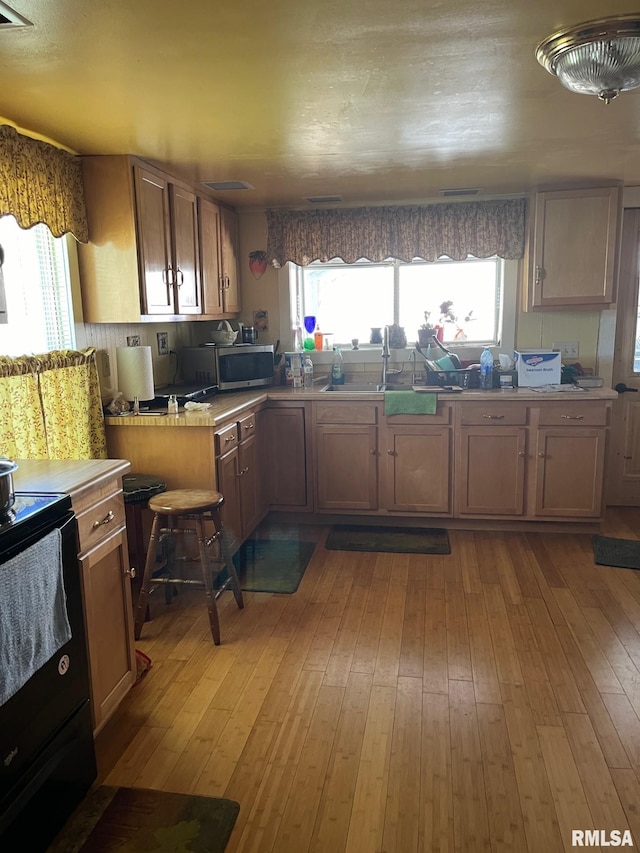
<point x="595" y="58"/>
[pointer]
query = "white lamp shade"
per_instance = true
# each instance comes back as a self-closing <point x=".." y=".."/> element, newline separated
<point x="135" y="372"/>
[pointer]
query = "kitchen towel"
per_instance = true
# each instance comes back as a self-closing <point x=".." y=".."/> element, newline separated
<point x="33" y="612"/>
<point x="409" y="403"/>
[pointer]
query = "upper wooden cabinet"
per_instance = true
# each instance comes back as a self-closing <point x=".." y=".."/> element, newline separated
<point x="219" y="260"/>
<point x="149" y="254"/>
<point x="573" y="246"/>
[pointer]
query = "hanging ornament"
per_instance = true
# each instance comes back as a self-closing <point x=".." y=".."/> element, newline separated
<point x="257" y="263"/>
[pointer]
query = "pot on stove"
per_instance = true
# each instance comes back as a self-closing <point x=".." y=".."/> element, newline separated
<point x="7" y="493"/>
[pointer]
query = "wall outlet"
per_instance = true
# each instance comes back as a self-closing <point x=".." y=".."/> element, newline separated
<point x="568" y="349"/>
<point x="106" y="366"/>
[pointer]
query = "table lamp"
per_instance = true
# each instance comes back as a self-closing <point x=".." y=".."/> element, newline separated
<point x="135" y="375"/>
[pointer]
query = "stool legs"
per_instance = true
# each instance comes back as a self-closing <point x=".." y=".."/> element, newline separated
<point x="141" y="606"/>
<point x="227" y="559"/>
<point x="214" y="622"/>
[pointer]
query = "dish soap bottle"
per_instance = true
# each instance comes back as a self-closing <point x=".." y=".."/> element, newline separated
<point x="486" y="370"/>
<point x="337" y="368"/>
<point x="308" y="372"/>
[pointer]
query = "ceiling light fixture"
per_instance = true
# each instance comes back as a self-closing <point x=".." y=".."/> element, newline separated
<point x="600" y="57"/>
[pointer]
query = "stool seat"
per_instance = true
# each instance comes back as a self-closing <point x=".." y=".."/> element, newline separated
<point x="199" y="506"/>
<point x="186" y="501"/>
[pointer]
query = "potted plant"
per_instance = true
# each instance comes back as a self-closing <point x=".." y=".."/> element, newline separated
<point x="426" y="331"/>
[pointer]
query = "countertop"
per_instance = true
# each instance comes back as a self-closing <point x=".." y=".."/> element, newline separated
<point x="229" y="405"/>
<point x="69" y="477"/>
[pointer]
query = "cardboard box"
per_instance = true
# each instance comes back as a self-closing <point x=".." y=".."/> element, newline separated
<point x="537" y="367"/>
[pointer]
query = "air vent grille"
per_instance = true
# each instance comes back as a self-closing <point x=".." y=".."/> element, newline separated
<point x="227" y="185"/>
<point x="324" y="199"/>
<point x="452" y="193"/>
<point x="10" y="19"/>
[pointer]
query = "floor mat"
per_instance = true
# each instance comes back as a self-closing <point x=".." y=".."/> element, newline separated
<point x="623" y="553"/>
<point x="131" y="820"/>
<point x="272" y="565"/>
<point x="395" y="540"/>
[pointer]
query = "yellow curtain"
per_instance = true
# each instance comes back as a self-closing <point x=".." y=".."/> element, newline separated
<point x="65" y="409"/>
<point x="41" y="183"/>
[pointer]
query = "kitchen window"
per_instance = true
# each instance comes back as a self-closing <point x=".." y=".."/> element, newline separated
<point x="348" y="300"/>
<point x="37" y="290"/>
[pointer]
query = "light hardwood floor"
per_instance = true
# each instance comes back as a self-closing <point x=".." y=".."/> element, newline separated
<point x="486" y="700"/>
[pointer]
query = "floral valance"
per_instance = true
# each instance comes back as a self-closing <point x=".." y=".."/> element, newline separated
<point x="479" y="229"/>
<point x="41" y="183"/>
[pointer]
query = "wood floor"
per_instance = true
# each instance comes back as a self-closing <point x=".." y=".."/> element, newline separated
<point x="486" y="700"/>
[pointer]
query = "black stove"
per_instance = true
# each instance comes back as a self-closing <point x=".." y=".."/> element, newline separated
<point x="30" y="511"/>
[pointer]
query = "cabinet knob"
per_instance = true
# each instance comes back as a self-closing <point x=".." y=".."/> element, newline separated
<point x="229" y="438"/>
<point x="540" y="274"/>
<point x="373" y="452"/>
<point x="131" y="572"/>
<point x="179" y="277"/>
<point x="248" y="426"/>
<point x="521" y="453"/>
<point x="390" y="452"/>
<point x="541" y="455"/>
<point x="242" y="472"/>
<point x="108" y="517"/>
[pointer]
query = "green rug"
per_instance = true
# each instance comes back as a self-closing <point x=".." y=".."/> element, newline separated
<point x="623" y="553"/>
<point x="272" y="565"/>
<point x="140" y="821"/>
<point x="394" y="540"/>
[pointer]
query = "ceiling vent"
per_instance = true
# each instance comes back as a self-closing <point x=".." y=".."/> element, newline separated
<point x="462" y="191"/>
<point x="227" y="185"/>
<point x="324" y="199"/>
<point x="9" y="19"/>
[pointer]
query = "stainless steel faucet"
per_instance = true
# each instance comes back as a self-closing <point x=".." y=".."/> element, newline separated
<point x="386" y="355"/>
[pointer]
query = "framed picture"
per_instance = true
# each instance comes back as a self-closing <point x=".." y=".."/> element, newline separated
<point x="261" y="320"/>
<point x="133" y="341"/>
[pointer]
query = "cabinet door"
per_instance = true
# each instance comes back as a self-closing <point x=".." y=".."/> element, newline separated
<point x="346" y="466"/>
<point x="569" y="469"/>
<point x="210" y="258"/>
<point x="285" y="457"/>
<point x="490" y="468"/>
<point x="416" y="464"/>
<point x="249" y="485"/>
<point x="574" y="245"/>
<point x="228" y="473"/>
<point x="229" y="255"/>
<point x="109" y="621"/>
<point x="154" y="243"/>
<point x="186" y="256"/>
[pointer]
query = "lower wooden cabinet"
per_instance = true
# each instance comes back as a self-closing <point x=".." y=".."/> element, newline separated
<point x="346" y="466"/>
<point x="569" y="466"/>
<point x="416" y="469"/>
<point x="286" y="455"/>
<point x="106" y="589"/>
<point x="490" y="471"/>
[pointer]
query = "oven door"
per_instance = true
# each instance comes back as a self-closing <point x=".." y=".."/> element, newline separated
<point x="31" y="718"/>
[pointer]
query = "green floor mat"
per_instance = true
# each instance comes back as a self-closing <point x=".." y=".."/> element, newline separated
<point x="272" y="565"/>
<point x="623" y="553"/>
<point x="394" y="540"/>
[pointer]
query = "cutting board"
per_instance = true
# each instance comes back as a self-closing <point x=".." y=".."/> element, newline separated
<point x="438" y="389"/>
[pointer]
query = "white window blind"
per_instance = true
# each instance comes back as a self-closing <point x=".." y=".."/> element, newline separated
<point x="36" y="281"/>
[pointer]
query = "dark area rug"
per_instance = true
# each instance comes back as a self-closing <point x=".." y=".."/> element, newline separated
<point x="272" y="565"/>
<point x="622" y="553"/>
<point x="394" y="540"/>
<point x="130" y="821"/>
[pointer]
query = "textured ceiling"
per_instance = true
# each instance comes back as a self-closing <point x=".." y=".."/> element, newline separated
<point x="370" y="100"/>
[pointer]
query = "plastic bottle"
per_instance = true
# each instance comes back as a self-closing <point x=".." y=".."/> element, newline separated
<point x="337" y="368"/>
<point x="486" y="369"/>
<point x="172" y="406"/>
<point x="317" y="338"/>
<point x="308" y="372"/>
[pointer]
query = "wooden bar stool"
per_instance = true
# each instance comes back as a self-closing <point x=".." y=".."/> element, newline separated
<point x="197" y="505"/>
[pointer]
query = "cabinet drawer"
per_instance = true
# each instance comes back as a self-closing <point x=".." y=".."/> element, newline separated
<point x="246" y="427"/>
<point x="574" y="414"/>
<point x="346" y="413"/>
<point x="496" y="414"/>
<point x="226" y="439"/>
<point x="100" y="520"/>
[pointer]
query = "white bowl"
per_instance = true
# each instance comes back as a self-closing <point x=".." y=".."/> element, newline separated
<point x="223" y="338"/>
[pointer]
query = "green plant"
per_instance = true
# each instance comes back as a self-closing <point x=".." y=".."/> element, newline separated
<point x="426" y="324"/>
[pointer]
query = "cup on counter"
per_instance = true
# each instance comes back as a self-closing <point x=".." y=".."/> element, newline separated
<point x="354" y="343"/>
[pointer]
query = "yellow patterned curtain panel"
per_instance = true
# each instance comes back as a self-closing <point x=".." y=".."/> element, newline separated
<point x="59" y="415"/>
<point x="41" y="183"/>
<point x="481" y="229"/>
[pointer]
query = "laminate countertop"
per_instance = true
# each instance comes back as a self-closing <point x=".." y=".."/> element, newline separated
<point x="67" y="477"/>
<point x="226" y="406"/>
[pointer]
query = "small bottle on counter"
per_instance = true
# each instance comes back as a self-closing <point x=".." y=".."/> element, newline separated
<point x="337" y="368"/>
<point x="308" y="372"/>
<point x="172" y="405"/>
<point x="486" y="370"/>
<point x="317" y="338"/>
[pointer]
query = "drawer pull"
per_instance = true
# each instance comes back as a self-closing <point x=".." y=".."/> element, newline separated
<point x="229" y="438"/>
<point x="242" y="472"/>
<point x="108" y="517"/>
<point x="493" y="417"/>
<point x="572" y="417"/>
<point x="521" y="453"/>
<point x="248" y="426"/>
<point x="131" y="572"/>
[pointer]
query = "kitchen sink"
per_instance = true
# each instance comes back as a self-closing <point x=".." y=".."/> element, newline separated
<point x="351" y="387"/>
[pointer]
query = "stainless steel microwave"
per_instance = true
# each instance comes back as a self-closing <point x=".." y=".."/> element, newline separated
<point x="230" y="368"/>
